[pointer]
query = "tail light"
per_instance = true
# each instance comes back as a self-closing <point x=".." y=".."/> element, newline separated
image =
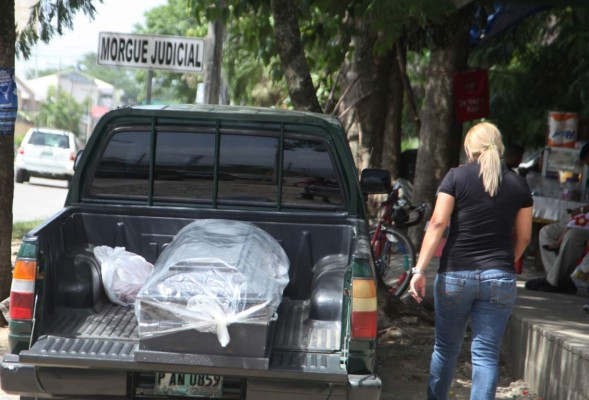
<point x="72" y="156"/>
<point x="22" y="291"/>
<point x="21" y="151"/>
<point x="363" y="308"/>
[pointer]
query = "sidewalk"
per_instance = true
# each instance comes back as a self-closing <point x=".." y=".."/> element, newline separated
<point x="547" y="343"/>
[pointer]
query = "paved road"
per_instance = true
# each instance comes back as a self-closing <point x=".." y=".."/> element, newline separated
<point x="38" y="199"/>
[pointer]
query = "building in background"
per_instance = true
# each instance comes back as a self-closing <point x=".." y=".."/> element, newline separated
<point x="81" y="87"/>
<point x="28" y="104"/>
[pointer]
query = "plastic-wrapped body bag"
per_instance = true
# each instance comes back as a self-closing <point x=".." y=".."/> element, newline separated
<point x="214" y="273"/>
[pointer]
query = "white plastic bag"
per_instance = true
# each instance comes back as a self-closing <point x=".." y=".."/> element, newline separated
<point x="580" y="275"/>
<point x="123" y="273"/>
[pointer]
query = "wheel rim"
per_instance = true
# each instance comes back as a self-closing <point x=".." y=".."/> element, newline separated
<point x="399" y="257"/>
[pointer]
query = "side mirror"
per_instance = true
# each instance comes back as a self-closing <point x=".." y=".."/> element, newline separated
<point x="77" y="160"/>
<point x="375" y="180"/>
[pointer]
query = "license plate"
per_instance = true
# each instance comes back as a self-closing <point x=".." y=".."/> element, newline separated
<point x="46" y="153"/>
<point x="196" y="385"/>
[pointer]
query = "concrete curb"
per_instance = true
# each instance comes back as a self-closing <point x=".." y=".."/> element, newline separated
<point x="547" y="344"/>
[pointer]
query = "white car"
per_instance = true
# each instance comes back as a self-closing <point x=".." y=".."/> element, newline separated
<point x="46" y="153"/>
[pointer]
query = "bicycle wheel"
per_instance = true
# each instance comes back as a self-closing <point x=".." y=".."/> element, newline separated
<point x="396" y="258"/>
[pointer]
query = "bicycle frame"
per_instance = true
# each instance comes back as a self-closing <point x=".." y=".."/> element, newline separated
<point x="380" y="240"/>
<point x="385" y="220"/>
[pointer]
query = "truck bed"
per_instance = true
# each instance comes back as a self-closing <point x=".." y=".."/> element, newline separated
<point x="109" y="339"/>
<point x="293" y="332"/>
<point x="83" y="329"/>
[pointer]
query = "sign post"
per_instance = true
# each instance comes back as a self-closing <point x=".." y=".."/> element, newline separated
<point x="471" y="95"/>
<point x="170" y="53"/>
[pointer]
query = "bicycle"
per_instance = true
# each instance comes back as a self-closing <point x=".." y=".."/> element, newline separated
<point x="393" y="251"/>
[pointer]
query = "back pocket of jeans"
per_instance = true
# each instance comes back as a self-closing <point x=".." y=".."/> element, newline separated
<point x="503" y="292"/>
<point x="450" y="289"/>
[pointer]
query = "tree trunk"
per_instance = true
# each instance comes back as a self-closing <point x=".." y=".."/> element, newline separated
<point x="366" y="99"/>
<point x="401" y="55"/>
<point x="287" y="35"/>
<point x="7" y="54"/>
<point x="212" y="76"/>
<point x="440" y="136"/>
<point x="391" y="149"/>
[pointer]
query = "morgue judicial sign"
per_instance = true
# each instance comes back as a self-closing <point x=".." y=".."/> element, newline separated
<point x="172" y="53"/>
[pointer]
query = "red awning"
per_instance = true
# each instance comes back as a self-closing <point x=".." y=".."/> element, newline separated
<point x="98" y="111"/>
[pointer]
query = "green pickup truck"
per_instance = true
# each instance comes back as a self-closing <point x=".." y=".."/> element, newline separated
<point x="146" y="173"/>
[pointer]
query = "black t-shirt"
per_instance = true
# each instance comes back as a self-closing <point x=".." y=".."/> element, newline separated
<point x="481" y="226"/>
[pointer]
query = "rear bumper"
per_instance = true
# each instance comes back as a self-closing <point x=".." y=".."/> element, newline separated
<point x="51" y="175"/>
<point x="62" y="382"/>
<point x="26" y="380"/>
<point x="56" y="169"/>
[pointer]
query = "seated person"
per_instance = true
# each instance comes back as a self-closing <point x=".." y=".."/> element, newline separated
<point x="578" y="221"/>
<point x="559" y="265"/>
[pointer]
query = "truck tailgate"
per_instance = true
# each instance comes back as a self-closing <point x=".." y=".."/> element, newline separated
<point x="109" y="340"/>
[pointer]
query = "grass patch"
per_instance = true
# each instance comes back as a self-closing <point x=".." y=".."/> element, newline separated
<point x="20" y="228"/>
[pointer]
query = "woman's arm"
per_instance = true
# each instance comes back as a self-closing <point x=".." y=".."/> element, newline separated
<point x="523" y="231"/>
<point x="435" y="230"/>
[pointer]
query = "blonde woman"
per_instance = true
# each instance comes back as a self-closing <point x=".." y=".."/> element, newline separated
<point x="485" y="203"/>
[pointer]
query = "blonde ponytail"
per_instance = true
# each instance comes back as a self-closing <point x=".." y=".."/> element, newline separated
<point x="483" y="144"/>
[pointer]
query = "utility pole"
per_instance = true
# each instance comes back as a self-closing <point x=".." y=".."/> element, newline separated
<point x="214" y="56"/>
<point x="148" y="86"/>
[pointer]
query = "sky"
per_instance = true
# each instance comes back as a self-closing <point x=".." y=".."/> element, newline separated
<point x="111" y="16"/>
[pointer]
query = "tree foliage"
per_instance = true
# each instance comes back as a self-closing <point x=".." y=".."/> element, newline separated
<point x="327" y="30"/>
<point x="61" y="111"/>
<point x="119" y="77"/>
<point x="253" y="77"/>
<point x="549" y="47"/>
<point x="51" y="17"/>
<point x="173" y="19"/>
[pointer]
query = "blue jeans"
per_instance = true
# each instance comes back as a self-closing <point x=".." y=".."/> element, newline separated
<point x="487" y="297"/>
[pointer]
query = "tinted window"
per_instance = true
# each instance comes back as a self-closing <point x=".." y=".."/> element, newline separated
<point x="247" y="168"/>
<point x="247" y="172"/>
<point x="50" y="139"/>
<point x="124" y="167"/>
<point x="37" y="138"/>
<point x="309" y="178"/>
<point x="62" y="142"/>
<point x="184" y="165"/>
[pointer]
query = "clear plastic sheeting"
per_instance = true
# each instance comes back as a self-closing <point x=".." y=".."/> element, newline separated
<point x="213" y="274"/>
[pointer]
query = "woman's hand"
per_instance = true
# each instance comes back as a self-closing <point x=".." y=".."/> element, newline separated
<point x="417" y="287"/>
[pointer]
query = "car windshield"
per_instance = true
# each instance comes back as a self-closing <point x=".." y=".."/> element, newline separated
<point x="50" y="139"/>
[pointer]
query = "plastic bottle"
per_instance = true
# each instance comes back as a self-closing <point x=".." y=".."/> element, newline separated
<point x="571" y="187"/>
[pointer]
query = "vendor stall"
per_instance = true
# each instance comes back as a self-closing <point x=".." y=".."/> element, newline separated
<point x="560" y="183"/>
<point x="561" y="186"/>
<point x="550" y="209"/>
